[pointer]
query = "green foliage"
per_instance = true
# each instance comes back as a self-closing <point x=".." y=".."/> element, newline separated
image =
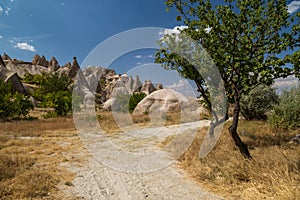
<point x="61" y="101"/>
<point x="127" y="103"/>
<point x="54" y="91"/>
<point x="259" y="101"/>
<point x="135" y="99"/>
<point x="33" y="79"/>
<point x="52" y="83"/>
<point x="286" y="114"/>
<point x="246" y="42"/>
<point x="251" y="42"/>
<point x="12" y="103"/>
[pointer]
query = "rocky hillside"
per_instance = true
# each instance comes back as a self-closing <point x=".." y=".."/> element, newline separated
<point x="39" y="64"/>
<point x="91" y="81"/>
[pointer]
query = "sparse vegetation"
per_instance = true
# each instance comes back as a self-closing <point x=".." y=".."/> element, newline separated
<point x="286" y="114"/>
<point x="272" y="174"/>
<point x="30" y="158"/>
<point x="258" y="102"/>
<point x="12" y="103"/>
<point x="55" y="91"/>
<point x="135" y="99"/>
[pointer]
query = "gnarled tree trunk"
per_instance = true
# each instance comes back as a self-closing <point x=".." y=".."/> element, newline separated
<point x="233" y="129"/>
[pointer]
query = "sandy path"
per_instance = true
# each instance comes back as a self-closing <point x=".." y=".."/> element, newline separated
<point x="94" y="180"/>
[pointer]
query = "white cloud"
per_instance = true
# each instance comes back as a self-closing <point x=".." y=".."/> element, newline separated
<point x="1" y="36"/>
<point x="7" y="11"/>
<point x="183" y="87"/>
<point x="285" y="83"/>
<point x="4" y="10"/>
<point x="175" y="30"/>
<point x="208" y="29"/>
<point x="293" y="6"/>
<point x="25" y="46"/>
<point x="138" y="56"/>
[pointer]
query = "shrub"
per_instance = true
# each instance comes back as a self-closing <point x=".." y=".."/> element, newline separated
<point x="12" y="103"/>
<point x="61" y="101"/>
<point x="258" y="103"/>
<point x="135" y="99"/>
<point x="33" y="79"/>
<point x="54" y="92"/>
<point x="286" y="114"/>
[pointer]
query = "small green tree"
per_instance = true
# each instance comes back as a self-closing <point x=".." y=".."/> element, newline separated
<point x="61" y="101"/>
<point x="55" y="91"/>
<point x="250" y="41"/>
<point x="12" y="103"/>
<point x="286" y="114"/>
<point x="258" y="102"/>
<point x="135" y="99"/>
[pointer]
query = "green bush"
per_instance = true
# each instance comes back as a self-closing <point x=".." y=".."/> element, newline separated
<point x="61" y="101"/>
<point x="135" y="99"/>
<point x="33" y="79"/>
<point x="286" y="114"/>
<point x="55" y="91"/>
<point x="12" y="103"/>
<point x="258" y="103"/>
<point x="126" y="102"/>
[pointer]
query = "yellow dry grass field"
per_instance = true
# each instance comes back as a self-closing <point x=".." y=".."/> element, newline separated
<point x="32" y="154"/>
<point x="274" y="172"/>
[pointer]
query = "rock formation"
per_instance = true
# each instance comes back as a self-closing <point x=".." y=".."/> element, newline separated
<point x="6" y="57"/>
<point x="159" y="86"/>
<point x="41" y="61"/>
<point x="74" y="69"/>
<point x="129" y="85"/>
<point x="148" y="87"/>
<point x="137" y="84"/>
<point x="22" y="68"/>
<point x="10" y="76"/>
<point x="167" y="100"/>
<point x="91" y="83"/>
<point x="53" y="65"/>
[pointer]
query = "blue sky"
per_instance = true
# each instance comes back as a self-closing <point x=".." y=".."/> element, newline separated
<point x="68" y="28"/>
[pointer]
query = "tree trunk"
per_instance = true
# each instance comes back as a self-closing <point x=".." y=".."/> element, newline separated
<point x="233" y="129"/>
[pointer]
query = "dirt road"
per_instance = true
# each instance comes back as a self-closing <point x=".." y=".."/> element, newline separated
<point x="107" y="174"/>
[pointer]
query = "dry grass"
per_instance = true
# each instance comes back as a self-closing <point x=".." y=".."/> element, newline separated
<point x="32" y="153"/>
<point x="272" y="174"/>
<point x="30" y="156"/>
<point x="109" y="125"/>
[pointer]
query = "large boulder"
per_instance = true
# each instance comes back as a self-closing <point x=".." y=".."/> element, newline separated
<point x="167" y="100"/>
